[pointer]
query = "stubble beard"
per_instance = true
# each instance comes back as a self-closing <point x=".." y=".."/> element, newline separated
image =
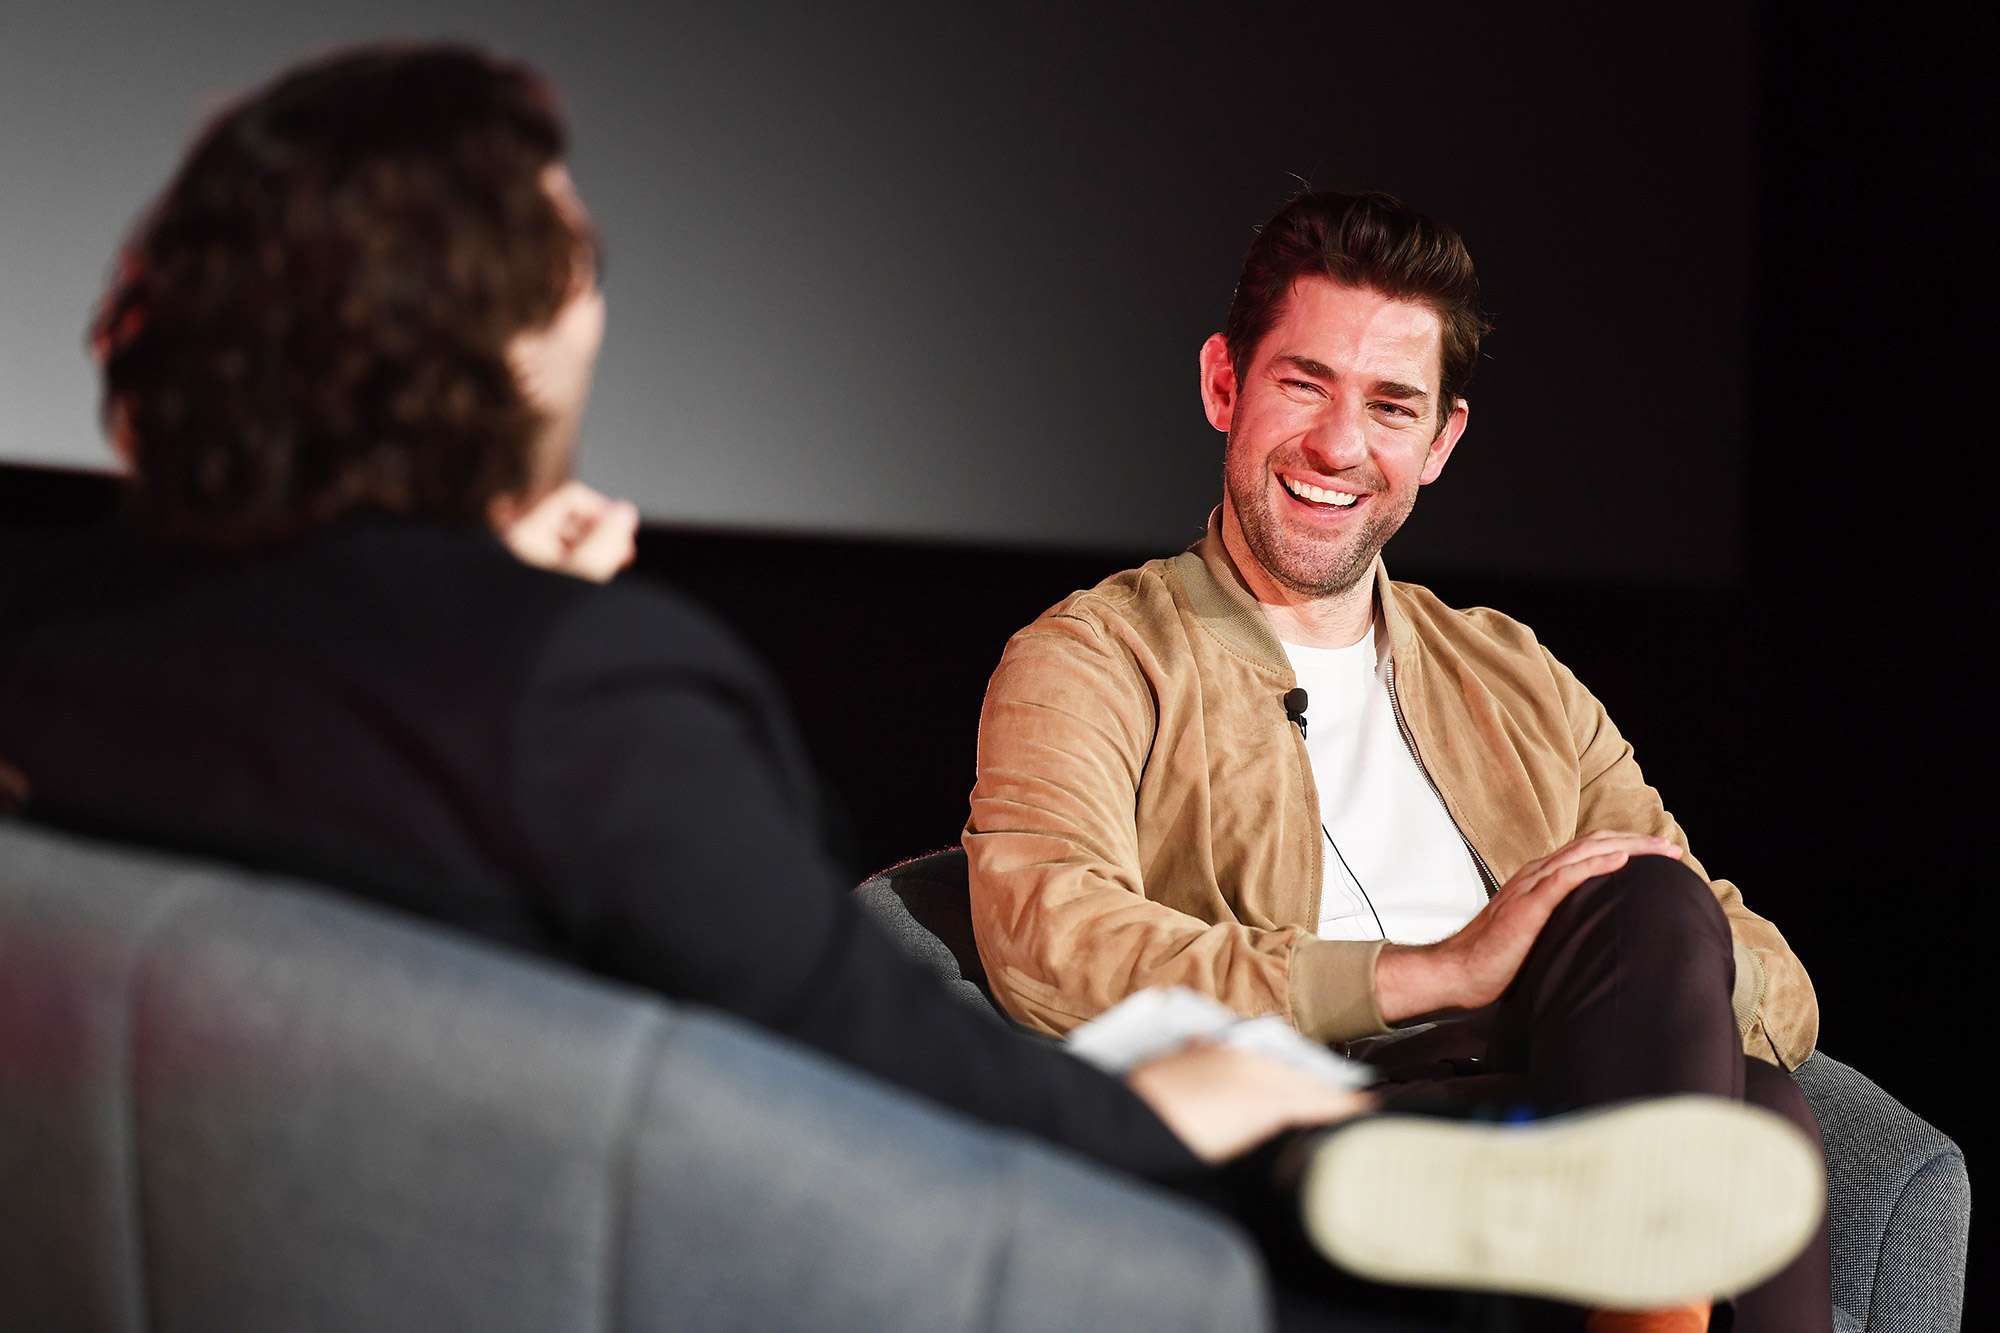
<point x="1302" y="565"/>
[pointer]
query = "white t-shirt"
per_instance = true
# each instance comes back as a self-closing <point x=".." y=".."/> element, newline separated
<point x="1396" y="866"/>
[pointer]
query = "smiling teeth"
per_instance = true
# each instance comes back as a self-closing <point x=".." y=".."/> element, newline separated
<point x="1339" y="499"/>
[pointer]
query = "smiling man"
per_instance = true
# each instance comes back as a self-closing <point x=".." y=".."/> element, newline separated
<point x="1264" y="770"/>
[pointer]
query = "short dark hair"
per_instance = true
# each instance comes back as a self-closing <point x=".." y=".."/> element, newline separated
<point x="1370" y="240"/>
<point x="313" y="318"/>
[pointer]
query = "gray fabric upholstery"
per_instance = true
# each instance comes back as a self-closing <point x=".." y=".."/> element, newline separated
<point x="1900" y="1205"/>
<point x="241" y="1104"/>
<point x="1898" y="1194"/>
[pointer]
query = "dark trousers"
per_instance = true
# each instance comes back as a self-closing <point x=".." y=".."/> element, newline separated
<point x="1624" y="995"/>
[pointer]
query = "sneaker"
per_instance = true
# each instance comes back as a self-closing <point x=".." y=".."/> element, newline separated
<point x="1644" y="1205"/>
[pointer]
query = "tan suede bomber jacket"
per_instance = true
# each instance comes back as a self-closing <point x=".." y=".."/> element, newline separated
<point x="1145" y="815"/>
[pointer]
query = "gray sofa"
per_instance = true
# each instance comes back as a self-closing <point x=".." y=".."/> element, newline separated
<point x="1899" y="1199"/>
<point x="233" y="1103"/>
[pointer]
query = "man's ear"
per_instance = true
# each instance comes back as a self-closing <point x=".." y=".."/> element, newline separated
<point x="1446" y="441"/>
<point x="1218" y="382"/>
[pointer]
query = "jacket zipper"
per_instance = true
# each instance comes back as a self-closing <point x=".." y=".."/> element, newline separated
<point x="1410" y="740"/>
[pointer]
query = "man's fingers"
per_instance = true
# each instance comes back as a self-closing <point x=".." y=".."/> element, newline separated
<point x="608" y="545"/>
<point x="1598" y="844"/>
<point x="556" y="516"/>
<point x="1636" y="843"/>
<point x="577" y="531"/>
<point x="1554" y="886"/>
<point x="546" y="533"/>
<point x="1531" y="870"/>
<point x="1594" y="844"/>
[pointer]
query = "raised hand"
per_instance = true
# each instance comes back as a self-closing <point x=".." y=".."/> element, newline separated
<point x="577" y="531"/>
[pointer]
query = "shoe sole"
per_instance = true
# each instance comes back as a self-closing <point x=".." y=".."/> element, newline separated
<point x="1642" y="1206"/>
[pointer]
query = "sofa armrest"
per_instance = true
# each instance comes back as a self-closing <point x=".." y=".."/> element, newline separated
<point x="1899" y="1205"/>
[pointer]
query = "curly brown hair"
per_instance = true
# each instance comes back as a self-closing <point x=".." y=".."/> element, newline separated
<point x="1371" y="240"/>
<point x="314" y="317"/>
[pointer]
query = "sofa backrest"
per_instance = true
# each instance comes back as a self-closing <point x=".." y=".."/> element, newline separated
<point x="232" y="1102"/>
<point x="923" y="903"/>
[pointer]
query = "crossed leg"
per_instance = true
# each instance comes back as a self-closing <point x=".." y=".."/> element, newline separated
<point x="1625" y="995"/>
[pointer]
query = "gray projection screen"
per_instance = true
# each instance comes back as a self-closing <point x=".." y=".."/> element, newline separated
<point x="903" y="273"/>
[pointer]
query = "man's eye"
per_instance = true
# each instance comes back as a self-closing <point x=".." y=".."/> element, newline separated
<point x="1307" y="385"/>
<point x="1396" y="409"/>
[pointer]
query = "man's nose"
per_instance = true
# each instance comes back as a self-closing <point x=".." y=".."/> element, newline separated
<point x="1338" y="440"/>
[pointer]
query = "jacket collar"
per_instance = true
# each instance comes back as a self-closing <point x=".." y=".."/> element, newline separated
<point x="1223" y="603"/>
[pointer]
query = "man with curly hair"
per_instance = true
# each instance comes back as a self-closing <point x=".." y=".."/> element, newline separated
<point x="370" y="289"/>
<point x="346" y="356"/>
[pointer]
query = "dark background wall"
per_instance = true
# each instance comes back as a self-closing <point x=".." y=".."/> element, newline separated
<point x="941" y="272"/>
<point x="1868" y="538"/>
<point x="1725" y="452"/>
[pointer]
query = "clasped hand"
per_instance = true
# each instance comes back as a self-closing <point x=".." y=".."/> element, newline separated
<point x="1475" y="966"/>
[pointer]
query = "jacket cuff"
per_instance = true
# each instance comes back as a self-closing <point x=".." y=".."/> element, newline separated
<point x="1747" y="998"/>
<point x="1333" y="989"/>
